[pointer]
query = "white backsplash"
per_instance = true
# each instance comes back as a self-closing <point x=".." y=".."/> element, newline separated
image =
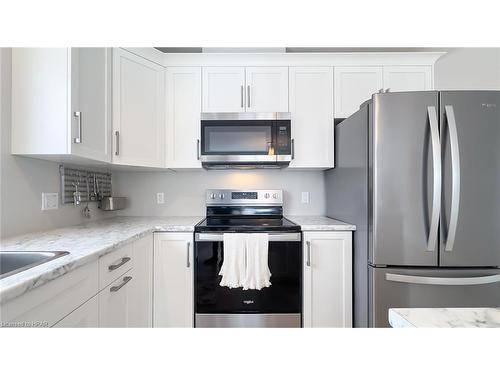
<point x="184" y="191"/>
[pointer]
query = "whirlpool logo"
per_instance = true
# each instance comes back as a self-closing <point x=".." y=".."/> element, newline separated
<point x="248" y="302"/>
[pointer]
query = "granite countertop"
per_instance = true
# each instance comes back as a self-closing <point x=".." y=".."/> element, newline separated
<point x="445" y="318"/>
<point x="320" y="223"/>
<point x="85" y="243"/>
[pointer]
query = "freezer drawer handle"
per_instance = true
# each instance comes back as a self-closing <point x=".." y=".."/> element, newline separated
<point x="436" y="166"/>
<point x="410" y="279"/>
<point x="455" y="190"/>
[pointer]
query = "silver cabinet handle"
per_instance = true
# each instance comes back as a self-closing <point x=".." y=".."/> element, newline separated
<point x="455" y="166"/>
<point x="242" y="93"/>
<point x="411" y="279"/>
<point x="115" y="266"/>
<point x="248" y="96"/>
<point x="126" y="279"/>
<point x="198" y="149"/>
<point x="117" y="137"/>
<point x="188" y="245"/>
<point x="308" y="261"/>
<point x="293" y="148"/>
<point x="78" y="138"/>
<point x="436" y="166"/>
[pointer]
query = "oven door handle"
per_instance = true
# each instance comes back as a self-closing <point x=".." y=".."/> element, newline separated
<point x="273" y="237"/>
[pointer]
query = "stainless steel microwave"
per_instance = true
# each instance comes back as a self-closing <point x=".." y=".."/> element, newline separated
<point x="245" y="140"/>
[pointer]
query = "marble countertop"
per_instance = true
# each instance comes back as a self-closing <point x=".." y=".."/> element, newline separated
<point x="85" y="243"/>
<point x="445" y="318"/>
<point x="320" y="223"/>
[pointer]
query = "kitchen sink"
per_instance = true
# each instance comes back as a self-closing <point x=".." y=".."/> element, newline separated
<point x="12" y="262"/>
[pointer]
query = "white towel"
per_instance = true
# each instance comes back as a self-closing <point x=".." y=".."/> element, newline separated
<point x="257" y="273"/>
<point x="233" y="267"/>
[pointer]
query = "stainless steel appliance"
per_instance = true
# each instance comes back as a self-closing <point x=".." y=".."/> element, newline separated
<point x="245" y="140"/>
<point x="419" y="174"/>
<point x="279" y="305"/>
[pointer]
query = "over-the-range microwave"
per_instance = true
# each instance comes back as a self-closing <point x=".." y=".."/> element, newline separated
<point x="245" y="140"/>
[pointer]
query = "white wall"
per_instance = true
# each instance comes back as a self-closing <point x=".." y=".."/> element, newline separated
<point x="185" y="191"/>
<point x="468" y="69"/>
<point x="22" y="180"/>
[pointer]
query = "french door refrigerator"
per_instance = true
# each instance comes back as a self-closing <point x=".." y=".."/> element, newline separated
<point x="419" y="174"/>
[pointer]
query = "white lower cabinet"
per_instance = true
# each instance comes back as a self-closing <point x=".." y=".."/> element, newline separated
<point x="86" y="316"/>
<point x="327" y="279"/>
<point x="173" y="302"/>
<point x="116" y="302"/>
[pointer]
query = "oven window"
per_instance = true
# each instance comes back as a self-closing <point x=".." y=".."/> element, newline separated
<point x="283" y="296"/>
<point x="237" y="139"/>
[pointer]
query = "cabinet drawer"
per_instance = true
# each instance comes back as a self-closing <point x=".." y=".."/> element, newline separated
<point x="116" y="302"/>
<point x="115" y="264"/>
<point x="49" y="303"/>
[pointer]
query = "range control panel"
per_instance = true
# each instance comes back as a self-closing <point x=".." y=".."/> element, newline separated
<point x="228" y="197"/>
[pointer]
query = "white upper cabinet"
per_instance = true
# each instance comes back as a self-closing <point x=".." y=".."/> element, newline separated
<point x="355" y="85"/>
<point x="61" y="102"/>
<point x="408" y="78"/>
<point x="224" y="89"/>
<point x="267" y="89"/>
<point x="311" y="107"/>
<point x="138" y="110"/>
<point x="183" y="97"/>
<point x="250" y="89"/>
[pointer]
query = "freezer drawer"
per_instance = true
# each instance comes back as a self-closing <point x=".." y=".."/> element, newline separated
<point x="417" y="287"/>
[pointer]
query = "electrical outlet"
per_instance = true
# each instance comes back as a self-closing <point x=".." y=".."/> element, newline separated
<point x="305" y="197"/>
<point x="50" y="201"/>
<point x="160" y="198"/>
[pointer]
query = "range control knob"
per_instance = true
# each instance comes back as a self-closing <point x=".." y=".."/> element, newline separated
<point x="275" y="195"/>
<point x="267" y="195"/>
<point x="212" y="196"/>
<point x="221" y="196"/>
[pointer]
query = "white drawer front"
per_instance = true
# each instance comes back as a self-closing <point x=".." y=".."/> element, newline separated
<point x="115" y="264"/>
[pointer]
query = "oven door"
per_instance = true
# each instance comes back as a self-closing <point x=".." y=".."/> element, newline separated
<point x="244" y="138"/>
<point x="283" y="299"/>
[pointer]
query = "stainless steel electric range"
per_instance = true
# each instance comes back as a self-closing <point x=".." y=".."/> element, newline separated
<point x="279" y="305"/>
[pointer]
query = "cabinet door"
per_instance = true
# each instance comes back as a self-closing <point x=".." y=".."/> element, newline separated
<point x="408" y="78"/>
<point x="141" y="307"/>
<point x="267" y="89"/>
<point x="138" y="110"/>
<point x="353" y="86"/>
<point x="173" y="280"/>
<point x="115" y="302"/>
<point x="183" y="93"/>
<point x="86" y="316"/>
<point x="327" y="279"/>
<point x="223" y="89"/>
<point x="311" y="106"/>
<point x="90" y="115"/>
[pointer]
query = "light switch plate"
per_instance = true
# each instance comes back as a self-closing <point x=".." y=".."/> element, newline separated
<point x="160" y="198"/>
<point x="305" y="197"/>
<point x="50" y="201"/>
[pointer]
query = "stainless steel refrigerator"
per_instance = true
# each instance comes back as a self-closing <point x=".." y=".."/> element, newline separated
<point x="419" y="174"/>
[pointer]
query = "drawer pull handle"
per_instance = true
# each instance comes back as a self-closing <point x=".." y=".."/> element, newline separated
<point x="126" y="279"/>
<point x="122" y="262"/>
<point x="308" y="261"/>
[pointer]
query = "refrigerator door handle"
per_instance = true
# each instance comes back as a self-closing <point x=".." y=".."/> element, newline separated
<point x="455" y="190"/>
<point x="436" y="166"/>
<point x="411" y="279"/>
